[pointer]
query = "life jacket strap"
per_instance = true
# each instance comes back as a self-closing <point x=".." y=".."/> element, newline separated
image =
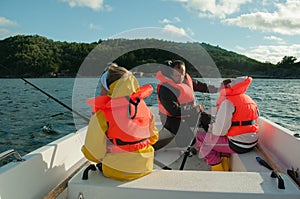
<point x="243" y="123"/>
<point x="135" y="107"/>
<point x="237" y="142"/>
<point x="119" y="142"/>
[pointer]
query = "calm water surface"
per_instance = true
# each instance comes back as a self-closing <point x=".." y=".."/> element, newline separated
<point x="30" y="119"/>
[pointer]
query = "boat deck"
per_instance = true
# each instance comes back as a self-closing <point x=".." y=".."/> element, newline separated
<point x="53" y="166"/>
<point x="172" y="184"/>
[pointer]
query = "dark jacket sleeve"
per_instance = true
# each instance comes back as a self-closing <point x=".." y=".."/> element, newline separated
<point x="203" y="87"/>
<point x="169" y="101"/>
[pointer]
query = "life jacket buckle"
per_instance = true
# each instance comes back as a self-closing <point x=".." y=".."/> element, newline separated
<point x="135" y="107"/>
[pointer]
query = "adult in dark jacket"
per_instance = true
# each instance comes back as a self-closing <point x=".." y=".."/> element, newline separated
<point x="177" y="108"/>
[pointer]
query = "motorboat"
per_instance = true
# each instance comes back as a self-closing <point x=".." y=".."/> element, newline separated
<point x="56" y="170"/>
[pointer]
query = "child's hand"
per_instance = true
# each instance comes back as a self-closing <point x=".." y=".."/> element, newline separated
<point x="200" y="108"/>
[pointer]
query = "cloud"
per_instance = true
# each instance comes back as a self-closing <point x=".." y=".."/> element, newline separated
<point x="274" y="38"/>
<point x="285" y="20"/>
<point x="168" y="33"/>
<point x="93" y="26"/>
<point x="169" y="21"/>
<point x="214" y="8"/>
<point x="239" y="48"/>
<point x="190" y="32"/>
<point x="4" y="33"/>
<point x="273" y="53"/>
<point x="177" y="19"/>
<point x="175" y="33"/>
<point x="175" y="30"/>
<point x="93" y="4"/>
<point x="165" y="21"/>
<point x="6" y="22"/>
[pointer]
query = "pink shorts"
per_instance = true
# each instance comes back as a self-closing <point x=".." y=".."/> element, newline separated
<point x="211" y="147"/>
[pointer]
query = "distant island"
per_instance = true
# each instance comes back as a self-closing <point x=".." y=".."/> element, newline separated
<point x="36" y="56"/>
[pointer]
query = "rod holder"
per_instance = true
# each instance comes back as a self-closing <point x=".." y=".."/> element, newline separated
<point x="275" y="174"/>
<point x="85" y="174"/>
<point x="11" y="152"/>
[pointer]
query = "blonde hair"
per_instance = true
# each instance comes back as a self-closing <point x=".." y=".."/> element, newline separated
<point x="115" y="72"/>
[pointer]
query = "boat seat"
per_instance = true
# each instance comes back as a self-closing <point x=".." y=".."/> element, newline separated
<point x="175" y="184"/>
<point x="246" y="162"/>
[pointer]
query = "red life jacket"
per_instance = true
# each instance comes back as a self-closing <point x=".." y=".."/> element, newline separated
<point x="186" y="91"/>
<point x="128" y="119"/>
<point x="246" y="111"/>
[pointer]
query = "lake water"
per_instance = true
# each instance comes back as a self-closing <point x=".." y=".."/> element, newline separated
<point x="30" y="119"/>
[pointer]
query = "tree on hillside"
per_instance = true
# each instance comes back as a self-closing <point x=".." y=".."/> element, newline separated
<point x="287" y="61"/>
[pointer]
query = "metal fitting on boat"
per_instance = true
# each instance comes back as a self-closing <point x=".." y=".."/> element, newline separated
<point x="11" y="152"/>
<point x="80" y="195"/>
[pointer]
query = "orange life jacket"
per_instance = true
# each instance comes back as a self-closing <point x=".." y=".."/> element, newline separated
<point x="186" y="91"/>
<point x="128" y="119"/>
<point x="246" y="111"/>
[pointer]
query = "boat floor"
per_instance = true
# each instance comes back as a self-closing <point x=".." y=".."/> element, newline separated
<point x="167" y="153"/>
<point x="173" y="158"/>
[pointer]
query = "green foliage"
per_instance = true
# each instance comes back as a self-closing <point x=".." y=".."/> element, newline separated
<point x="287" y="61"/>
<point x="36" y="56"/>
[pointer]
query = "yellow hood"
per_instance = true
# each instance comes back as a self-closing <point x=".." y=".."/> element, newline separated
<point x="124" y="86"/>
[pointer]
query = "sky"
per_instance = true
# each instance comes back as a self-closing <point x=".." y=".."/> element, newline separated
<point x="265" y="30"/>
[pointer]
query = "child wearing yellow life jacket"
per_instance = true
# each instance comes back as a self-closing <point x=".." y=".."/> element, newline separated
<point x="121" y="131"/>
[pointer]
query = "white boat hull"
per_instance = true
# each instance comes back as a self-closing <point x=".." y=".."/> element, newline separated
<point x="42" y="169"/>
<point x="53" y="165"/>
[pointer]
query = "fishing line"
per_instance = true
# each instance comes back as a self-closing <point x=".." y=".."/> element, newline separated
<point x="50" y="96"/>
<point x="204" y="100"/>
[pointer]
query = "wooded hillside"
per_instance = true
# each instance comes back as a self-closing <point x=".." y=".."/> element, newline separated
<point x="36" y="56"/>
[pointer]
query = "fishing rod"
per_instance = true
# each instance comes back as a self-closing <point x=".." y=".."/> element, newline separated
<point x="50" y="96"/>
<point x="193" y="141"/>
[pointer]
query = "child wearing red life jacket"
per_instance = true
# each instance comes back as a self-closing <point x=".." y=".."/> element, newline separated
<point x="121" y="131"/>
<point x="235" y="129"/>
